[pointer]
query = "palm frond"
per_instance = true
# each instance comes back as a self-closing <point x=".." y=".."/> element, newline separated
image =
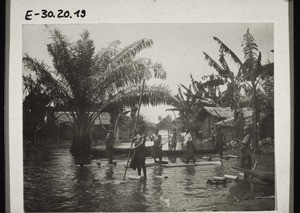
<point x="127" y="74"/>
<point x="214" y="64"/>
<point x="104" y="57"/>
<point x="223" y="62"/>
<point x="45" y="78"/>
<point x="153" y="95"/>
<point x="225" y="49"/>
<point x="130" y="51"/>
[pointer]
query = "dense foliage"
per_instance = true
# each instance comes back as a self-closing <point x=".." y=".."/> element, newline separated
<point x="86" y="83"/>
<point x="249" y="84"/>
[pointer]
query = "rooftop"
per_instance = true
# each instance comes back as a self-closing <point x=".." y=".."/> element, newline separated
<point x="66" y="117"/>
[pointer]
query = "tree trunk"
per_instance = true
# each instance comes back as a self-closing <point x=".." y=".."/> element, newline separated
<point x="81" y="142"/>
<point x="255" y="119"/>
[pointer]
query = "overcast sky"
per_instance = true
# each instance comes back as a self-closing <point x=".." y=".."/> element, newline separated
<point x="178" y="47"/>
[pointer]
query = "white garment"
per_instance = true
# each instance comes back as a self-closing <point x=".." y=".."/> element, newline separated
<point x="187" y="137"/>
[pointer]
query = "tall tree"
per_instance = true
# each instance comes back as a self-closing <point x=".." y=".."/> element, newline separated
<point x="86" y="83"/>
<point x="248" y="76"/>
<point x="251" y="69"/>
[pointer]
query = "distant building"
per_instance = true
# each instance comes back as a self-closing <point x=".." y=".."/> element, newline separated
<point x="99" y="129"/>
<point x="211" y="117"/>
<point x="208" y="116"/>
<point x="266" y="125"/>
<point x="65" y="121"/>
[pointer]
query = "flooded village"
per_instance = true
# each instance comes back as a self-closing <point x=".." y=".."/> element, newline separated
<point x="119" y="118"/>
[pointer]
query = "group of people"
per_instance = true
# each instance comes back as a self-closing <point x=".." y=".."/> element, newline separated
<point x="140" y="152"/>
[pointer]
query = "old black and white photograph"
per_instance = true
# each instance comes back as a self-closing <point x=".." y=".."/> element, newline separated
<point x="148" y="117"/>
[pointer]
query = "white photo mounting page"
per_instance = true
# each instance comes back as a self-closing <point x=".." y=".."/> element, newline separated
<point x="149" y="106"/>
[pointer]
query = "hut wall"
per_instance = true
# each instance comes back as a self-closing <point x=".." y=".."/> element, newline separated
<point x="207" y="123"/>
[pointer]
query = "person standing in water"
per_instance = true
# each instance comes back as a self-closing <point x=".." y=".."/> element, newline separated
<point x="190" y="146"/>
<point x="220" y="140"/>
<point x="213" y="136"/>
<point x="109" y="142"/>
<point x="173" y="143"/>
<point x="139" y="154"/>
<point x="245" y="149"/>
<point x="157" y="147"/>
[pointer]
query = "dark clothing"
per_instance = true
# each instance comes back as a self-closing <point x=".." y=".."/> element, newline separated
<point x="139" y="155"/>
<point x="190" y="152"/>
<point x="109" y="142"/>
<point x="239" y="126"/>
<point x="156" y="149"/>
<point x="246" y="152"/>
<point x="220" y="140"/>
<point x="200" y="135"/>
<point x="173" y="141"/>
<point x="213" y="137"/>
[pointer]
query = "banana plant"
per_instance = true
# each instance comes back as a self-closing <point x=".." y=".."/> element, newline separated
<point x="190" y="100"/>
<point x="248" y="76"/>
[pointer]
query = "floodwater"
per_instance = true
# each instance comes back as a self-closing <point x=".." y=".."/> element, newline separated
<point x="52" y="183"/>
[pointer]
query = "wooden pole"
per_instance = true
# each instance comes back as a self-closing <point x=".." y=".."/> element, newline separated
<point x="168" y="139"/>
<point x="134" y="127"/>
<point x="250" y="178"/>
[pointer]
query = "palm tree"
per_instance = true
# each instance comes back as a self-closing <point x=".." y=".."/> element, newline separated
<point x="86" y="83"/>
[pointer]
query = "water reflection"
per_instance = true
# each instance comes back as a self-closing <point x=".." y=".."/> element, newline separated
<point x="138" y="197"/>
<point x="156" y="188"/>
<point x="109" y="172"/>
<point x="53" y="182"/>
<point x="82" y="160"/>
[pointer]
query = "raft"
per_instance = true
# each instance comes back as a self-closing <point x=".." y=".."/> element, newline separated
<point x="193" y="164"/>
<point x="134" y="177"/>
<point x="153" y="164"/>
<point x="156" y="164"/>
<point x="231" y="177"/>
<point x="161" y="177"/>
<point x="201" y="148"/>
<point x="266" y="176"/>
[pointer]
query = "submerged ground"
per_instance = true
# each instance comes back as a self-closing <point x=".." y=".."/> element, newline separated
<point x="52" y="182"/>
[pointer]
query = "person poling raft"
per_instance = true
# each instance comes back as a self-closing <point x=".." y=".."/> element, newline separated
<point x="139" y="154"/>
